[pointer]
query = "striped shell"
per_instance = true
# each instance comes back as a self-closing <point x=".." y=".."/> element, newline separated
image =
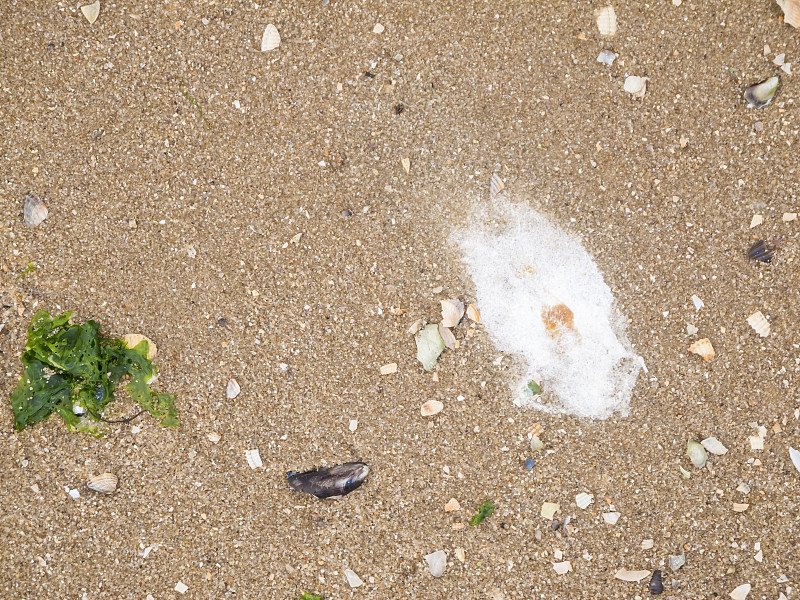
<point x="606" y="20"/>
<point x="34" y="210"/>
<point x="329" y="482"/>
<point x="759" y="323"/>
<point x="791" y="12"/>
<point x="496" y="185"/>
<point x="105" y="483"/>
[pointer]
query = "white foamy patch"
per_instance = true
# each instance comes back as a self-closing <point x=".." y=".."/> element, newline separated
<point x="522" y="267"/>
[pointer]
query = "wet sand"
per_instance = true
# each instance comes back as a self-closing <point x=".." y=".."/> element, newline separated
<point x="179" y="225"/>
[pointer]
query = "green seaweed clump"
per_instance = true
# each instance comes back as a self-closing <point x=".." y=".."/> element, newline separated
<point x="72" y="371"/>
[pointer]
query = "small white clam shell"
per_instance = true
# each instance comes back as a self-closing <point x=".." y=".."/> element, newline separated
<point x="34" y="210"/>
<point x="635" y="86"/>
<point x="452" y="311"/>
<point x="606" y="20"/>
<point x="759" y="323"/>
<point x="105" y="483"/>
<point x="271" y="38"/>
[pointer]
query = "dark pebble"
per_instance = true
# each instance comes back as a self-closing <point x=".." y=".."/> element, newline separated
<point x="656" y="587"/>
<point x="529" y="464"/>
<point x="222" y="322"/>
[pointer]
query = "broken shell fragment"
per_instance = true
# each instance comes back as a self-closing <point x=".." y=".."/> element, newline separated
<point x="655" y="586"/>
<point x="34" y="210"/>
<point x="759" y="323"/>
<point x="794" y="455"/>
<point x="714" y="446"/>
<point x="696" y="453"/>
<point x="583" y="500"/>
<point x="473" y="314"/>
<point x="452" y="505"/>
<point x="761" y="94"/>
<point x="791" y="12"/>
<point x="131" y="340"/>
<point x="329" y="482"/>
<point x="562" y="568"/>
<point x="91" y="11"/>
<point x="703" y="348"/>
<point x="606" y="20"/>
<point x="105" y="483"/>
<point x="626" y="575"/>
<point x="496" y="185"/>
<point x="607" y="57"/>
<point x="430" y="408"/>
<point x="740" y="592"/>
<point x="429" y="346"/>
<point x="253" y="458"/>
<point x="448" y="337"/>
<point x="635" y="86"/>
<point x="271" y="38"/>
<point x="233" y="389"/>
<point x="437" y="562"/>
<point x="452" y="311"/>
<point x="761" y="251"/>
<point x="676" y="561"/>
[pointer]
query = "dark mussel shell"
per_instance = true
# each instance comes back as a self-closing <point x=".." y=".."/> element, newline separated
<point x="761" y="251"/>
<point x="329" y="482"/>
<point x="656" y="587"/>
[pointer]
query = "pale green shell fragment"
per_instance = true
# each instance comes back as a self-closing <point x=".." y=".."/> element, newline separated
<point x="696" y="453"/>
<point x="429" y="346"/>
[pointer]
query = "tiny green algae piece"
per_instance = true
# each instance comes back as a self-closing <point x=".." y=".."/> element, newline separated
<point x="30" y="269"/>
<point x="307" y="596"/>
<point x="486" y="509"/>
<point x="534" y="388"/>
<point x="72" y="371"/>
<point x="429" y="345"/>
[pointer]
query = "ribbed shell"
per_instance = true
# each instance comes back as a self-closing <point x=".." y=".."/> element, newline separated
<point x="105" y="483"/>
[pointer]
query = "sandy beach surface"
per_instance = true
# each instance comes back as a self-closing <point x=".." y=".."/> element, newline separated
<point x="252" y="213"/>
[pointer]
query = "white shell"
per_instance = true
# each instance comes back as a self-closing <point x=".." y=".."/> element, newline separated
<point x="714" y="446"/>
<point x="740" y="592"/>
<point x="388" y="369"/>
<point x="626" y="575"/>
<point x="378" y="28"/>
<point x="430" y="408"/>
<point x="562" y="568"/>
<point x="473" y="314"/>
<point x="271" y="38"/>
<point x="214" y="437"/>
<point x="759" y="323"/>
<point x="406" y="162"/>
<point x="635" y="86"/>
<point x="34" y="210"/>
<point x="583" y="500"/>
<point x="611" y="517"/>
<point x="607" y="57"/>
<point x="461" y="555"/>
<point x="131" y="340"/>
<point x="791" y="12"/>
<point x="496" y="185"/>
<point x="437" y="562"/>
<point x="606" y="20"/>
<point x="353" y="580"/>
<point x="91" y="11"/>
<point x="756" y="221"/>
<point x="703" y="348"/>
<point x="233" y="389"/>
<point x="549" y="509"/>
<point x="448" y="337"/>
<point x="452" y="505"/>
<point x="253" y="459"/>
<point x="789" y="217"/>
<point x="795" y="456"/>
<point x="452" y="311"/>
<point x="105" y="483"/>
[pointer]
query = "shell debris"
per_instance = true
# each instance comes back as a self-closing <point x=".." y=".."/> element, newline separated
<point x="634" y="576"/>
<point x="583" y="500"/>
<point x="449" y="339"/>
<point x="496" y="185"/>
<point x="271" y="39"/>
<point x="562" y="568"/>
<point x="214" y="437"/>
<point x="606" y="19"/>
<point x="740" y="592"/>
<point x="91" y="11"/>
<point x="549" y="509"/>
<point x="378" y="28"/>
<point x="253" y="459"/>
<point x="452" y="505"/>
<point x="233" y="389"/>
<point x="34" y="210"/>
<point x="105" y="483"/>
<point x="703" y="348"/>
<point x="607" y="57"/>
<point x="430" y="408"/>
<point x="759" y="323"/>
<point x="791" y="12"/>
<point x="636" y="86"/>
<point x="406" y="162"/>
<point x="473" y="314"/>
<point x="353" y="580"/>
<point x="756" y="221"/>
<point x="611" y="518"/>
<point x="761" y="94"/>
<point x="714" y="446"/>
<point x="389" y="368"/>
<point x="788" y="217"/>
<point x="437" y="562"/>
<point x="452" y="311"/>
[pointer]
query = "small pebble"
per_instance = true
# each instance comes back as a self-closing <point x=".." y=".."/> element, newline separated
<point x="529" y="464"/>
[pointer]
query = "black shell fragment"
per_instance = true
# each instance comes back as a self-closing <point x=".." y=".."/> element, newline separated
<point x="761" y="251"/>
<point x="656" y="587"/>
<point x="329" y="482"/>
